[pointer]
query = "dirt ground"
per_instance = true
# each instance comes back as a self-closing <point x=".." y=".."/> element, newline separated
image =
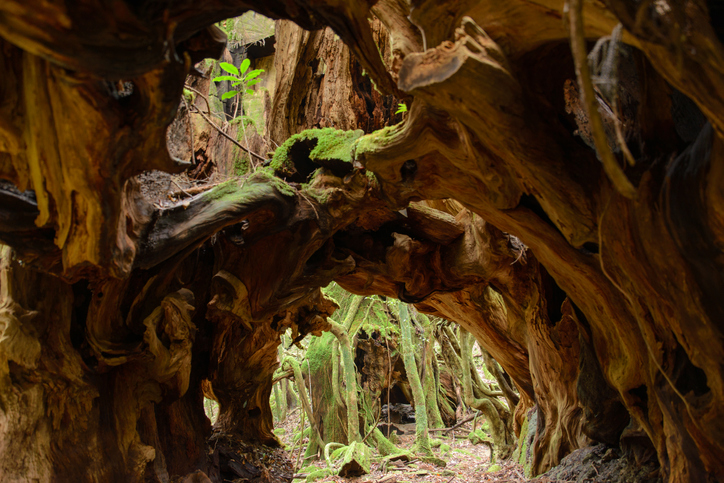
<point x="465" y="462"/>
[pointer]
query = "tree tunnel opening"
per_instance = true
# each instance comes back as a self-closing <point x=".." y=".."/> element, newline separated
<point x="123" y="304"/>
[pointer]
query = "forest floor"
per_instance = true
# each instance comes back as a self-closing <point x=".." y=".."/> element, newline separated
<point x="465" y="462"/>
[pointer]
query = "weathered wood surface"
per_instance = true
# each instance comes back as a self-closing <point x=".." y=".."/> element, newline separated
<point x="613" y="311"/>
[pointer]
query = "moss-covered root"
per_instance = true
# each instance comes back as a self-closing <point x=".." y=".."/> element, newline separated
<point x="299" y="380"/>
<point x="502" y="437"/>
<point x="422" y="438"/>
<point x="356" y="461"/>
<point x="351" y="381"/>
<point x="430" y="382"/>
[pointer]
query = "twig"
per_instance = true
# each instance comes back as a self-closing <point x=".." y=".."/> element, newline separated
<point x="447" y="430"/>
<point x="179" y="187"/>
<point x="208" y="106"/>
<point x="301" y="437"/>
<point x="389" y="382"/>
<point x="237" y="143"/>
<point x="195" y="190"/>
<point x="310" y="204"/>
<point x="379" y="415"/>
<point x="578" y="47"/>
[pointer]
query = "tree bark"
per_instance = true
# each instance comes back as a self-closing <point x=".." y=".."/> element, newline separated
<point x="619" y="297"/>
<point x="422" y="439"/>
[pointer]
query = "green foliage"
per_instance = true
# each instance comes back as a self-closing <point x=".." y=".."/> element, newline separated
<point x="189" y="96"/>
<point x="401" y="107"/>
<point x="332" y="144"/>
<point x="239" y="78"/>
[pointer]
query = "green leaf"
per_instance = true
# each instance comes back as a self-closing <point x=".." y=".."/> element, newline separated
<point x="230" y="68"/>
<point x="250" y="91"/>
<point x="228" y="95"/>
<point x="254" y="73"/>
<point x="401" y="107"/>
<point x="225" y="78"/>
<point x="252" y="82"/>
<point x="236" y="83"/>
<point x="244" y="65"/>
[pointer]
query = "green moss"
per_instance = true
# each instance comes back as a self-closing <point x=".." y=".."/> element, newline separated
<point x="356" y="460"/>
<point x="318" y="474"/>
<point x="321" y="196"/>
<point x="522" y="452"/>
<point x="279" y="184"/>
<point x="478" y="437"/>
<point x="335" y="144"/>
<point x="222" y="190"/>
<point x="375" y="140"/>
<point x="319" y="353"/>
<point x="331" y="144"/>
<point x="241" y="165"/>
<point x="494" y="468"/>
<point x="189" y="96"/>
<point x="338" y="453"/>
<point x="254" y="108"/>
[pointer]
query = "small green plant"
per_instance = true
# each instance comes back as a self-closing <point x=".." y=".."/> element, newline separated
<point x="238" y="78"/>
<point x="401" y="107"/>
<point x="242" y="80"/>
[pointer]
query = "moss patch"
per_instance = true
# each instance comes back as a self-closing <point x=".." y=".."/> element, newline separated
<point x="356" y="460"/>
<point x="279" y="184"/>
<point x="375" y="140"/>
<point x="327" y="147"/>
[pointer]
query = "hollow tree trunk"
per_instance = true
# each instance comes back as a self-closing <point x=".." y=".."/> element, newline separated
<point x="624" y="306"/>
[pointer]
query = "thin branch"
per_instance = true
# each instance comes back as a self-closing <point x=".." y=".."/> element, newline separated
<point x="310" y="203"/>
<point x="578" y="47"/>
<point x="180" y="188"/>
<point x="208" y="106"/>
<point x="374" y="426"/>
<point x="284" y="375"/>
<point x="227" y="136"/>
<point x="447" y="430"/>
<point x="195" y="190"/>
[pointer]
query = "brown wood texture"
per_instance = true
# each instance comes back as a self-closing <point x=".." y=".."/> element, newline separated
<point x="114" y="311"/>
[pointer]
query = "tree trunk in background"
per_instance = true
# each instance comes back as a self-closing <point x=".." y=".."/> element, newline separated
<point x="317" y="427"/>
<point x="430" y="382"/>
<point x="320" y="84"/>
<point x="350" y="378"/>
<point x="422" y="439"/>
